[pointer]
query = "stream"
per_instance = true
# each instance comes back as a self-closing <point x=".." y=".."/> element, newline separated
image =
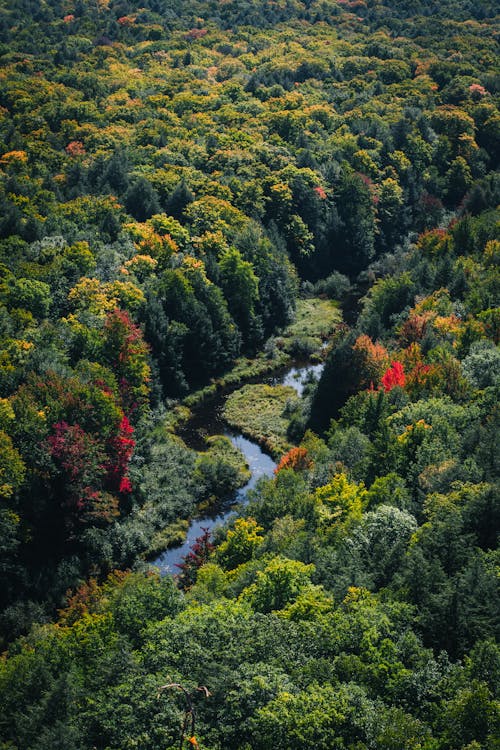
<point x="208" y="420"/>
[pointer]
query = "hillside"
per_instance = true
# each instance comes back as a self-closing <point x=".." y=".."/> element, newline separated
<point x="194" y="196"/>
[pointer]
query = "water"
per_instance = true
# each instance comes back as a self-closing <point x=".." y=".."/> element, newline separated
<point x="208" y="421"/>
<point x="260" y="464"/>
<point x="298" y="377"/>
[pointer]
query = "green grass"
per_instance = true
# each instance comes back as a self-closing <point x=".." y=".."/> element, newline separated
<point x="259" y="412"/>
<point x="245" y="368"/>
<point x="171" y="536"/>
<point x="315" y="321"/>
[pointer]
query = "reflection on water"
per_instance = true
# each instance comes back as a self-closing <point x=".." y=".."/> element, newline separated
<point x="299" y="377"/>
<point x="209" y="422"/>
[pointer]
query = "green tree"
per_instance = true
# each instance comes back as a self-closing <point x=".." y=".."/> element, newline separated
<point x="31" y="295"/>
<point x="279" y="584"/>
<point x="353" y="241"/>
<point x="141" y="199"/>
<point x="241" y="290"/>
<point x="241" y="543"/>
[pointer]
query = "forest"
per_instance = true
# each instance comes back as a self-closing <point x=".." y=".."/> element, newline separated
<point x="194" y="196"/>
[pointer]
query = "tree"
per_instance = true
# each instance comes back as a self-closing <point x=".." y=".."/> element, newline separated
<point x="241" y="543"/>
<point x="297" y="459"/>
<point x="197" y="556"/>
<point x="386" y="532"/>
<point x="393" y="376"/>
<point x="472" y="716"/>
<point x="386" y="298"/>
<point x="31" y="295"/>
<point x="276" y="276"/>
<point x="482" y="365"/>
<point x="178" y="200"/>
<point x="126" y="353"/>
<point x="375" y="358"/>
<point x="279" y="584"/>
<point x="141" y="200"/>
<point x="210" y="339"/>
<point x="341" y="377"/>
<point x="352" y="243"/>
<point x="321" y="716"/>
<point x="459" y="180"/>
<point x="241" y="290"/>
<point x="391" y="213"/>
<point x="12" y="468"/>
<point x="80" y="458"/>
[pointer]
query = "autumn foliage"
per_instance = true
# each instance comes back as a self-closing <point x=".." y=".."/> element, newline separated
<point x="374" y="359"/>
<point x="75" y="148"/>
<point x="80" y="458"/>
<point x="126" y="352"/>
<point x="93" y="474"/>
<point x="121" y="449"/>
<point x="393" y="376"/>
<point x="196" y="557"/>
<point x="297" y="459"/>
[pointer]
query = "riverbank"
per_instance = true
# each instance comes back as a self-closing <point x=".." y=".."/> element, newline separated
<point x="257" y="457"/>
<point x="260" y="465"/>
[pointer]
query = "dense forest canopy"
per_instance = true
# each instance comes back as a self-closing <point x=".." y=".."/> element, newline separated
<point x="178" y="181"/>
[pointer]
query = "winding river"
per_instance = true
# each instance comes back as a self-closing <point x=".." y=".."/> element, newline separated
<point x="208" y="421"/>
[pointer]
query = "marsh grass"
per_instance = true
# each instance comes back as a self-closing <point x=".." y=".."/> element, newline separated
<point x="259" y="412"/>
<point x="244" y="369"/>
<point x="315" y="321"/>
<point x="171" y="536"/>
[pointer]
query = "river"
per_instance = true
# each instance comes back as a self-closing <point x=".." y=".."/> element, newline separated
<point x="208" y="421"/>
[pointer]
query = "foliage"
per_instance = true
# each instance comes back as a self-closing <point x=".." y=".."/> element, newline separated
<point x="221" y="468"/>
<point x="170" y="176"/>
<point x="393" y="376"/>
<point x="296" y="459"/>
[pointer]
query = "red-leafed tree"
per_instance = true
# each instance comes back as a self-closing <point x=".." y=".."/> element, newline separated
<point x="126" y="353"/>
<point x="75" y="148"/>
<point x="320" y="192"/>
<point x="196" y="557"/>
<point x="80" y="454"/>
<point x="393" y="376"/>
<point x="121" y="447"/>
<point x="77" y="444"/>
<point x="80" y="458"/>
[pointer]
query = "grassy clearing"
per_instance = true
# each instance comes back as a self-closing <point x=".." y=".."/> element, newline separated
<point x="259" y="412"/>
<point x="315" y="317"/>
<point x="315" y="321"/>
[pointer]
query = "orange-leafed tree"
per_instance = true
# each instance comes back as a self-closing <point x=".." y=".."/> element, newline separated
<point x="297" y="459"/>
